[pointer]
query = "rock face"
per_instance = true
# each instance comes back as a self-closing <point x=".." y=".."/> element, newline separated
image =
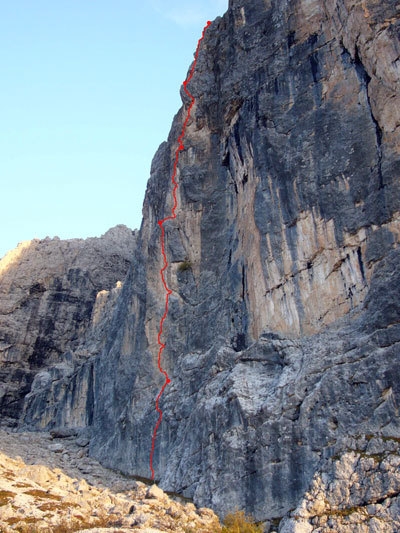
<point x="360" y="491"/>
<point x="52" y="296"/>
<point x="282" y="337"/>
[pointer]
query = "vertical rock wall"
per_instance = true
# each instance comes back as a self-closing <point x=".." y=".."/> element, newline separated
<point x="287" y="226"/>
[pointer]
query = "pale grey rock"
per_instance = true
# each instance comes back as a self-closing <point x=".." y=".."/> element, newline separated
<point x="155" y="493"/>
<point x="49" y="291"/>
<point x="358" y="491"/>
<point x="82" y="442"/>
<point x="56" y="447"/>
<point x="63" y="433"/>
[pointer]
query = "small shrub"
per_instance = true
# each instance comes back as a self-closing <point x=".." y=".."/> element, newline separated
<point x="275" y="523"/>
<point x="185" y="265"/>
<point x="239" y="522"/>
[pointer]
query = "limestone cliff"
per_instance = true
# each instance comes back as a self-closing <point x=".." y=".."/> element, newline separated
<point x="52" y="294"/>
<point x="282" y="337"/>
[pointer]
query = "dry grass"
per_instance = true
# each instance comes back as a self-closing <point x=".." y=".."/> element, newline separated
<point x="34" y="525"/>
<point x="239" y="522"/>
<point x="56" y="507"/>
<point x="43" y="495"/>
<point x="6" y="496"/>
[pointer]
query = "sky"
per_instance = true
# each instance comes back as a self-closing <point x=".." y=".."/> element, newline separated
<point x="88" y="92"/>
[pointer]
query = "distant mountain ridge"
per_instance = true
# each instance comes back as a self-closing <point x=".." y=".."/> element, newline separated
<point x="51" y="292"/>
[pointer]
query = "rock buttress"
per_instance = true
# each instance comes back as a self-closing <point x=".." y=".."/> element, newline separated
<point x="281" y="342"/>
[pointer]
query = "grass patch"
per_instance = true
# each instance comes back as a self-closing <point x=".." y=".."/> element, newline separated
<point x="377" y="457"/>
<point x="12" y="521"/>
<point x="37" y="525"/>
<point x="55" y="507"/>
<point x="185" y="265"/>
<point x="347" y="512"/>
<point x="43" y="495"/>
<point x="9" y="474"/>
<point x="6" y="496"/>
<point x="239" y="522"/>
<point x="393" y="439"/>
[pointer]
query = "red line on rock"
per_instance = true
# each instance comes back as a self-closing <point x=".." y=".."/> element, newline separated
<point x="168" y="291"/>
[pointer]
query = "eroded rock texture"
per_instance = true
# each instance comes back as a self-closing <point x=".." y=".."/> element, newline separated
<point x="281" y="337"/>
<point x="283" y="328"/>
<point x="359" y="491"/>
<point x="53" y="296"/>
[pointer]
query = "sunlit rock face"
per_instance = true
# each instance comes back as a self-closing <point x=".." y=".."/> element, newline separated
<point x="356" y="491"/>
<point x="281" y="336"/>
<point x="47" y="483"/>
<point x="283" y="325"/>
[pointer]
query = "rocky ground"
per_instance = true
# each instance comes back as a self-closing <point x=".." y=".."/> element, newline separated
<point x="48" y="484"/>
<point x="357" y="492"/>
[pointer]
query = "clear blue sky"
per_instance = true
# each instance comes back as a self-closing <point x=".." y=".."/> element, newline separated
<point x="88" y="92"/>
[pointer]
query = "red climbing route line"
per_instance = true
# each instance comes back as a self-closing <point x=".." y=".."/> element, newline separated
<point x="172" y="216"/>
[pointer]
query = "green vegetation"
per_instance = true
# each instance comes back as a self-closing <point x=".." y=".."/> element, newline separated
<point x="348" y="511"/>
<point x="239" y="522"/>
<point x="185" y="265"/>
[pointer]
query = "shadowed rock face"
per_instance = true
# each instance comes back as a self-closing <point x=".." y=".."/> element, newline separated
<point x="288" y="217"/>
<point x="52" y="293"/>
<point x="283" y="329"/>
